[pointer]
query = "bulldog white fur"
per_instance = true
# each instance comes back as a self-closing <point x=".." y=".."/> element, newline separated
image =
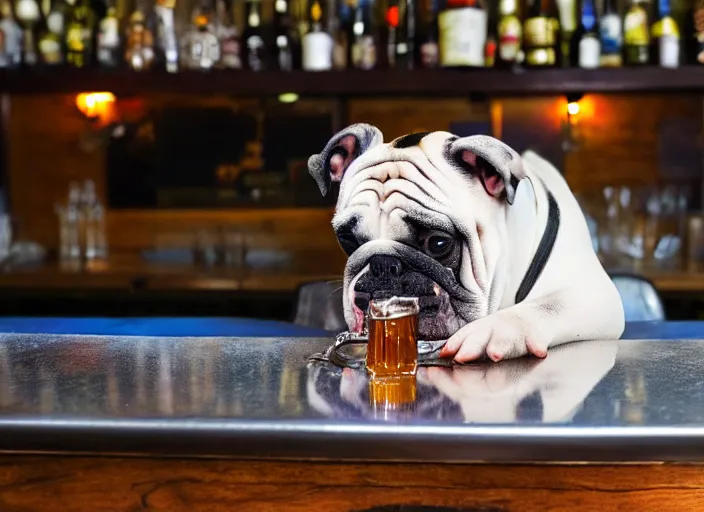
<point x="494" y="244"/>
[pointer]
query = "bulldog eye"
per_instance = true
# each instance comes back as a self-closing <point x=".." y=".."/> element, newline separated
<point x="348" y="242"/>
<point x="438" y="245"/>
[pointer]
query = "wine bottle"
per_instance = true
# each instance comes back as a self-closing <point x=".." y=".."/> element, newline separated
<point x="79" y="35"/>
<point x="636" y="34"/>
<point x="139" y="43"/>
<point x="10" y="37"/>
<point x="282" y="35"/>
<point x="203" y="48"/>
<point x="226" y="33"/>
<point x="428" y="47"/>
<point x="540" y="34"/>
<point x="611" y="35"/>
<point x="361" y="37"/>
<point x="317" y="43"/>
<point x="168" y="42"/>
<point x="585" y="49"/>
<point x="510" y="34"/>
<point x="29" y="16"/>
<point x="665" y="37"/>
<point x="254" y="43"/>
<point x="108" y="42"/>
<point x="462" y="27"/>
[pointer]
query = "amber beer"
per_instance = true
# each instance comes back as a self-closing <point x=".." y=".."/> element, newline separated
<point x="393" y="327"/>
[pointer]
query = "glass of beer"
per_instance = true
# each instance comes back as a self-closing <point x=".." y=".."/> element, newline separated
<point x="392" y="349"/>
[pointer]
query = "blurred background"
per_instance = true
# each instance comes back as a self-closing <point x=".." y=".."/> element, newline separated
<point x="153" y="155"/>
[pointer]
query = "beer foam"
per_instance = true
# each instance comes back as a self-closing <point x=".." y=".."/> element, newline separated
<point x="393" y="307"/>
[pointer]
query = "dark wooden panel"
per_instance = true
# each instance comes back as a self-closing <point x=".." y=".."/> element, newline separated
<point x="356" y="83"/>
<point x="65" y="484"/>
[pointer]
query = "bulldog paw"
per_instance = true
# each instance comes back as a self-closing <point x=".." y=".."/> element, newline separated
<point x="499" y="336"/>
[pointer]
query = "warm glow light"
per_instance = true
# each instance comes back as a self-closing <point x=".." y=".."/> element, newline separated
<point x="288" y="97"/>
<point x="573" y="108"/>
<point x="94" y="104"/>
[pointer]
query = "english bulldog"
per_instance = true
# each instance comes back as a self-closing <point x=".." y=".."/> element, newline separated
<point x="493" y="243"/>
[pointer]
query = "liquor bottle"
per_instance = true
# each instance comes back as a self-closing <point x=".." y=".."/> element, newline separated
<point x="492" y="36"/>
<point x="226" y="32"/>
<point x="282" y="34"/>
<point x="665" y="37"/>
<point x="405" y="35"/>
<point x="342" y="31"/>
<point x="540" y="34"/>
<point x="139" y="44"/>
<point x="462" y="28"/>
<point x="361" y="38"/>
<point x="391" y="33"/>
<point x="255" y="47"/>
<point x="51" y="40"/>
<point x="510" y="34"/>
<point x="585" y="49"/>
<point x="11" y="56"/>
<point x="29" y="15"/>
<point x="202" y="47"/>
<point x="167" y="41"/>
<point x="636" y="34"/>
<point x="428" y="48"/>
<point x="109" y="51"/>
<point x="611" y="35"/>
<point x="79" y="34"/>
<point x="567" y="11"/>
<point x="317" y="44"/>
<point x="698" y="22"/>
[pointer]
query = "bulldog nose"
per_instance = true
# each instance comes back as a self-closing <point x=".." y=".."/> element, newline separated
<point x="385" y="267"/>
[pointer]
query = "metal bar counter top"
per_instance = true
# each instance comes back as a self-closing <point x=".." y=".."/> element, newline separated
<point x="262" y="398"/>
<point x="215" y="424"/>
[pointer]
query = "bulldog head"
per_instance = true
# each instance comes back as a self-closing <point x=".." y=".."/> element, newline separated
<point x="423" y="216"/>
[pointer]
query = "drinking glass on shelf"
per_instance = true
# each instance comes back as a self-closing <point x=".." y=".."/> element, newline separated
<point x="5" y="236"/>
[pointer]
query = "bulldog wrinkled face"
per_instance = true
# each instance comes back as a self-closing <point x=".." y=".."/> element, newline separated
<point x="418" y="217"/>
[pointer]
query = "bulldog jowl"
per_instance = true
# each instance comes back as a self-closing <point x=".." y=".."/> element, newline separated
<point x="387" y="276"/>
<point x="493" y="243"/>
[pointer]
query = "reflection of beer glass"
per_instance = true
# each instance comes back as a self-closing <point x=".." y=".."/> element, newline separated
<point x="392" y="349"/>
<point x="391" y="393"/>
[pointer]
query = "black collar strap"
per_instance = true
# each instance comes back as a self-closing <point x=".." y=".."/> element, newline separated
<point x="544" y="249"/>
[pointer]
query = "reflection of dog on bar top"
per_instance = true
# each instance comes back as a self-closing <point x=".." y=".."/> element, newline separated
<point x="493" y="243"/>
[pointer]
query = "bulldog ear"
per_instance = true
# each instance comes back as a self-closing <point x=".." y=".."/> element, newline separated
<point x="330" y="165"/>
<point x="498" y="166"/>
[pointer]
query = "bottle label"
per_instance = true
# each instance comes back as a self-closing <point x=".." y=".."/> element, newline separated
<point x="51" y="50"/>
<point x="317" y="51"/>
<point x="462" y="36"/>
<point x="429" y="54"/>
<point x="255" y="44"/>
<point x="610" y="33"/>
<point x="109" y="37"/>
<point x="74" y="37"/>
<point x="231" y="53"/>
<point x="589" y="52"/>
<point x="364" y="53"/>
<point x="55" y="22"/>
<point x="669" y="51"/>
<point x="510" y="32"/>
<point x="541" y="57"/>
<point x="539" y="32"/>
<point x="635" y="27"/>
